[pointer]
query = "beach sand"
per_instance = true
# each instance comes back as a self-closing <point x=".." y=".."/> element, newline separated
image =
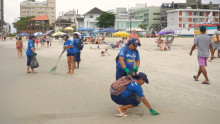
<point x="84" y="98"/>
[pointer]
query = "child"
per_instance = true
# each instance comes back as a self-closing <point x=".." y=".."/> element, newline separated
<point x="103" y="52"/>
<point x="19" y="46"/>
<point x="68" y="46"/>
<point x="204" y="43"/>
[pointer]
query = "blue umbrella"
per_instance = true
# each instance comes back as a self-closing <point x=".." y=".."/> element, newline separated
<point x="48" y="32"/>
<point x="108" y="30"/>
<point x="95" y="31"/>
<point x="23" y="34"/>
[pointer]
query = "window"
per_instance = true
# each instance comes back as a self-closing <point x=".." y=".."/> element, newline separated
<point x="156" y="13"/>
<point x="90" y="16"/>
<point x="156" y="18"/>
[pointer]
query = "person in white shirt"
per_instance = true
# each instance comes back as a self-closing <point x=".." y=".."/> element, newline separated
<point x="216" y="45"/>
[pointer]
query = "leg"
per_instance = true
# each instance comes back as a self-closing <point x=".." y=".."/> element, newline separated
<point x="47" y="44"/>
<point x="28" y="63"/>
<point x="199" y="73"/>
<point x="21" y="52"/>
<point x="28" y="71"/>
<point x="218" y="53"/>
<point x="124" y="108"/>
<point x="73" y="64"/>
<point x="204" y="72"/>
<point x="69" y="65"/>
<point x="18" y="53"/>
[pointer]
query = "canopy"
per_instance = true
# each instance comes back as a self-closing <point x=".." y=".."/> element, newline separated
<point x="48" y="32"/>
<point x="208" y="25"/>
<point x="85" y="29"/>
<point x="68" y="29"/>
<point x="121" y="34"/>
<point x="170" y="29"/>
<point x="38" y="34"/>
<point x="23" y="34"/>
<point x="58" y="34"/>
<point x="108" y="30"/>
<point x="95" y="31"/>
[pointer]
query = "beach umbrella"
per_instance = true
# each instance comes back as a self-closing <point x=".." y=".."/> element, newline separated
<point x="58" y="34"/>
<point x="23" y="34"/>
<point x="121" y="34"/>
<point x="95" y="31"/>
<point x="165" y="32"/>
<point x="108" y="30"/>
<point x="77" y="33"/>
<point x="172" y="28"/>
<point x="38" y="33"/>
<point x="48" y="32"/>
<point x="68" y="29"/>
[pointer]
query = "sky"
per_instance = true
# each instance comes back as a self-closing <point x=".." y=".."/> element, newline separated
<point x="12" y="7"/>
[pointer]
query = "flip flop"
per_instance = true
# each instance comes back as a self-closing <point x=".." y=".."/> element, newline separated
<point x="121" y="115"/>
<point x="28" y="72"/>
<point x="195" y="78"/>
<point x="205" y="83"/>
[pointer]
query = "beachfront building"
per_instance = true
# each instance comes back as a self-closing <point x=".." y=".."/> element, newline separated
<point x="79" y="22"/>
<point x="34" y="8"/>
<point x="185" y="18"/>
<point x="90" y="18"/>
<point x="194" y="4"/>
<point x="1" y="16"/>
<point x="149" y="15"/>
<point x="62" y="24"/>
<point x="38" y="24"/>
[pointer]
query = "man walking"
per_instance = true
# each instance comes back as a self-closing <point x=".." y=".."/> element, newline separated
<point x="78" y="51"/>
<point x="204" y="43"/>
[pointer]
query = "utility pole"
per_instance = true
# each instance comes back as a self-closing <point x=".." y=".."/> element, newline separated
<point x="2" y="16"/>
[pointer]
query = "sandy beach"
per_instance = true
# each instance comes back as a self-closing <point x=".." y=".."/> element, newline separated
<point x="84" y="98"/>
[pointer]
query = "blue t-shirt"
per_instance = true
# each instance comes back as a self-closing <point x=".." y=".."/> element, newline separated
<point x="75" y="43"/>
<point x="133" y="87"/>
<point x="29" y="52"/>
<point x="129" y="56"/>
<point x="69" y="50"/>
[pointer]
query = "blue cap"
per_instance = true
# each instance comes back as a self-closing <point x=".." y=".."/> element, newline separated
<point x="32" y="36"/>
<point x="134" y="41"/>
<point x="76" y="34"/>
<point x="65" y="36"/>
<point x="143" y="76"/>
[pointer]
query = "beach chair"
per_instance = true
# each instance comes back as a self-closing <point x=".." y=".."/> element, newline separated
<point x="170" y="43"/>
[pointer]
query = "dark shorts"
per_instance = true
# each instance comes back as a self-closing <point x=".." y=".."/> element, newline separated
<point x="102" y="52"/>
<point x="129" y="100"/>
<point x="120" y="73"/>
<point x="77" y="57"/>
<point x="70" y="54"/>
<point x="28" y="60"/>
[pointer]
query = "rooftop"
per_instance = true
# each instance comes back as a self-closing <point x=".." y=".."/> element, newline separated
<point x="203" y="10"/>
<point x="94" y="11"/>
<point x="41" y="18"/>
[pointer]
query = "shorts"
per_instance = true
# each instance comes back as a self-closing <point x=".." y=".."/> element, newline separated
<point x="102" y="52"/>
<point x="5" y="38"/>
<point x="37" y="41"/>
<point x="70" y="54"/>
<point x="28" y="60"/>
<point x="216" y="46"/>
<point x="120" y="73"/>
<point x="77" y="57"/>
<point x="19" y="47"/>
<point x="202" y="61"/>
<point x="129" y="100"/>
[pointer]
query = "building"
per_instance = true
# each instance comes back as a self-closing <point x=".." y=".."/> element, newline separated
<point x="149" y="16"/>
<point x="1" y="16"/>
<point x="80" y="22"/>
<point x="123" y="22"/>
<point x="90" y="18"/>
<point x="40" y="24"/>
<point x="185" y="18"/>
<point x="34" y="8"/>
<point x="194" y="4"/>
<point x="62" y="24"/>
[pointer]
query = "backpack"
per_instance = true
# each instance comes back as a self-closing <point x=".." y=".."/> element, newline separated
<point x="120" y="85"/>
<point x="80" y="44"/>
<point x="126" y="50"/>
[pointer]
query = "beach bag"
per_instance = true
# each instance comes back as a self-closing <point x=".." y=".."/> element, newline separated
<point x="80" y="44"/>
<point x="120" y="85"/>
<point x="214" y="38"/>
<point x="34" y="62"/>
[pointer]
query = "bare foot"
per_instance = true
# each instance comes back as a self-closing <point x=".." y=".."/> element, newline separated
<point x="68" y="73"/>
<point x="28" y="72"/>
<point x="72" y="73"/>
<point x="34" y="72"/>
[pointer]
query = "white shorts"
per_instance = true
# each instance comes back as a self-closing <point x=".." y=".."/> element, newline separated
<point x="216" y="46"/>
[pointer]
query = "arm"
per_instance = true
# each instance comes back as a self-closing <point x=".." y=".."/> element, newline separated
<point x="217" y="36"/>
<point x="122" y="62"/>
<point x="32" y="48"/>
<point x="193" y="48"/>
<point x="138" y="63"/>
<point x="68" y="47"/>
<point x="62" y="53"/>
<point x="212" y="51"/>
<point x="146" y="103"/>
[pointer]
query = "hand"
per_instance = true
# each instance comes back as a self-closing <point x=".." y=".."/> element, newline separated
<point x="34" y="53"/>
<point x="127" y="70"/>
<point x="66" y="47"/>
<point x="136" y="69"/>
<point x="154" y="112"/>
<point x="60" y="56"/>
<point x="190" y="53"/>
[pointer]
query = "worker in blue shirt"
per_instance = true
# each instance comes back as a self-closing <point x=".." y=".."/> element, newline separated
<point x="129" y="59"/>
<point x="133" y="96"/>
<point x="68" y="46"/>
<point x="78" y="52"/>
<point x="30" y="51"/>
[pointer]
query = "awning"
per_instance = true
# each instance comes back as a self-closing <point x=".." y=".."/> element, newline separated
<point x="85" y="29"/>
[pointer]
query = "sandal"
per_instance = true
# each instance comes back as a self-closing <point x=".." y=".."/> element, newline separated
<point x="195" y="78"/>
<point x="205" y="83"/>
<point x="121" y="115"/>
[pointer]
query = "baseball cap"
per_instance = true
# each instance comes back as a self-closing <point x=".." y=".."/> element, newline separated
<point x="134" y="41"/>
<point x="143" y="76"/>
<point x="203" y="27"/>
<point x="65" y="36"/>
<point x="76" y="34"/>
<point x="32" y="36"/>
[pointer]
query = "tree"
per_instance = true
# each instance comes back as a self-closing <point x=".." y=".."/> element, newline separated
<point x="143" y="26"/>
<point x="156" y="27"/>
<point x="21" y="24"/>
<point x="106" y="20"/>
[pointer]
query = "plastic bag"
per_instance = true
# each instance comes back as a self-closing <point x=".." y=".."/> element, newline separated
<point x="34" y="62"/>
